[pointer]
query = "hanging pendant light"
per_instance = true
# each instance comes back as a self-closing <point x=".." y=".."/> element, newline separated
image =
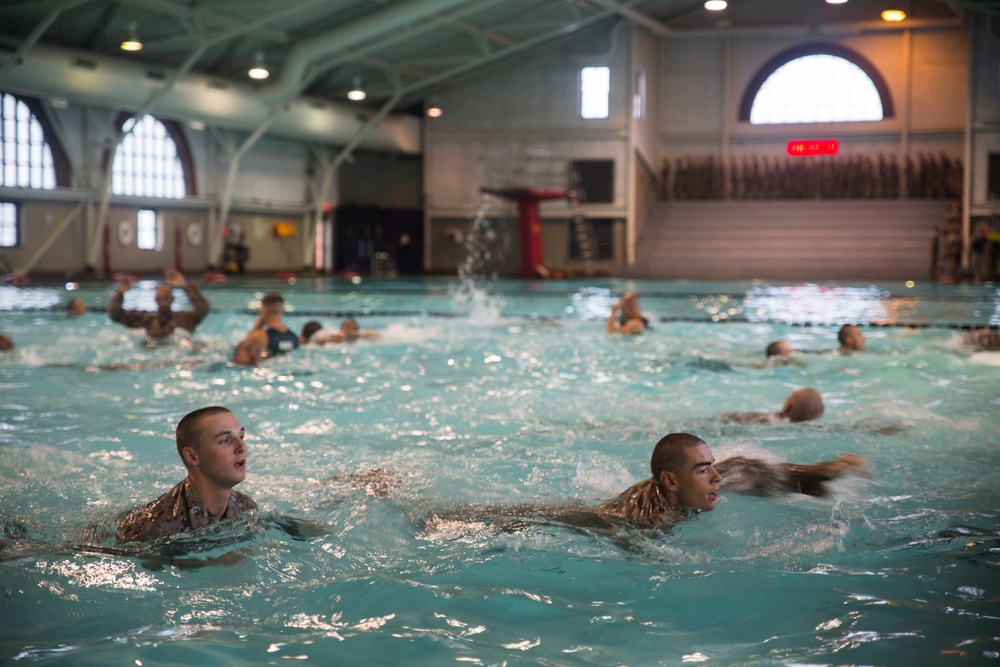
<point x="356" y="94"/>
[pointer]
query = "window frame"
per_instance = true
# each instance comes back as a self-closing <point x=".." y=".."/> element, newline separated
<point x="639" y="95"/>
<point x="816" y="49"/>
<point x="15" y="224"/>
<point x="183" y="149"/>
<point x="585" y="93"/>
<point x="157" y="231"/>
<point x="60" y="163"/>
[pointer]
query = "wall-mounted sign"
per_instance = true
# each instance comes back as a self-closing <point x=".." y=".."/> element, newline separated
<point x="813" y="147"/>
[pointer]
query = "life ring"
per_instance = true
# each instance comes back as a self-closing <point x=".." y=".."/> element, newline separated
<point x="195" y="235"/>
<point x="126" y="233"/>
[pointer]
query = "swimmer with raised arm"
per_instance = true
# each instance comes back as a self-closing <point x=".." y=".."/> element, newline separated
<point x="164" y="321"/>
<point x="626" y="316"/>
<point x="686" y="479"/>
<point x="210" y="442"/>
<point x="803" y="404"/>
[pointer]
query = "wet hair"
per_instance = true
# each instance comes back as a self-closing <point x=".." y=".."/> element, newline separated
<point x="804" y="404"/>
<point x="309" y="329"/>
<point x="189" y="428"/>
<point x="669" y="453"/>
<point x="272" y="299"/>
<point x="6" y="343"/>
<point x="779" y="348"/>
<point x="76" y="306"/>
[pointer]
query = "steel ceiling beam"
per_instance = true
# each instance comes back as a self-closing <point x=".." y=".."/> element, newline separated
<point x="401" y="17"/>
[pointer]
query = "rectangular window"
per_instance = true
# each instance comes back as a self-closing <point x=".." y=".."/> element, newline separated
<point x="595" y="92"/>
<point x="593" y="237"/>
<point x="639" y="96"/>
<point x="993" y="176"/>
<point x="9" y="237"/>
<point x="148" y="235"/>
<point x="597" y="180"/>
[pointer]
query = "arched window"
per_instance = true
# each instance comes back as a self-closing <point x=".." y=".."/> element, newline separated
<point x="152" y="160"/>
<point x="816" y="83"/>
<point x="28" y="159"/>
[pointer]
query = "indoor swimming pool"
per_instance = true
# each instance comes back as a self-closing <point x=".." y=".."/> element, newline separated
<point x="497" y="394"/>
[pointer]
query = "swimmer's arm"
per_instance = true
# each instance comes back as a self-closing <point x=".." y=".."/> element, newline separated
<point x="300" y="529"/>
<point x="200" y="303"/>
<point x="332" y="338"/>
<point x="612" y="324"/>
<point x="131" y="319"/>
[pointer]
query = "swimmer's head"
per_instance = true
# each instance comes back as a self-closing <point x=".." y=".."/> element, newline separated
<point x="273" y="301"/>
<point x="251" y="349"/>
<point x="349" y="328"/>
<point x="75" y="307"/>
<point x="309" y="329"/>
<point x="779" y="348"/>
<point x="6" y="343"/>
<point x="164" y="298"/>
<point x="211" y="444"/>
<point x="684" y="466"/>
<point x="803" y="405"/>
<point x="851" y="339"/>
<point x="189" y="429"/>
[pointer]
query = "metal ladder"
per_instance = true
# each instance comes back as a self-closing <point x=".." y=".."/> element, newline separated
<point x="582" y="231"/>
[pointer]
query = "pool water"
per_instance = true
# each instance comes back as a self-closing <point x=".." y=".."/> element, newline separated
<point x="504" y="393"/>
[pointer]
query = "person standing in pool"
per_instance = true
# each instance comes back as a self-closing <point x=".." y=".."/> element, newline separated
<point x="164" y="321"/>
<point x="686" y="479"/>
<point x="270" y="335"/>
<point x="626" y="317"/>
<point x="210" y="442"/>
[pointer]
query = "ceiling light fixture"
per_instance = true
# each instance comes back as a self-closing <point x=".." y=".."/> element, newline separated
<point x="893" y="15"/>
<point x="716" y="5"/>
<point x="258" y="71"/>
<point x="836" y="2"/>
<point x="356" y="94"/>
<point x="131" y="41"/>
<point x="434" y="110"/>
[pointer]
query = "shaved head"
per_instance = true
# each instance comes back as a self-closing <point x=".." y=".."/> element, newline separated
<point x="804" y="404"/>
<point x="189" y="429"/>
<point x="670" y="452"/>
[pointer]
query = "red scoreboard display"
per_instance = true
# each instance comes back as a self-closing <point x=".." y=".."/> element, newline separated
<point x="801" y="147"/>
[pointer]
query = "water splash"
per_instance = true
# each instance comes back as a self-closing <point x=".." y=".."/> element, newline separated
<point x="485" y="244"/>
<point x="592" y="303"/>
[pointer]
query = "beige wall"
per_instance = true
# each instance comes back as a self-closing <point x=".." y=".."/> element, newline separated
<point x="706" y="77"/>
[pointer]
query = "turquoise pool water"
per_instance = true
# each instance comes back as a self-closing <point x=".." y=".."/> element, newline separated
<point x="500" y="394"/>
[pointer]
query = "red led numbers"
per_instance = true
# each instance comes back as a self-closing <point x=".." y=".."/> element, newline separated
<point x="813" y="147"/>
